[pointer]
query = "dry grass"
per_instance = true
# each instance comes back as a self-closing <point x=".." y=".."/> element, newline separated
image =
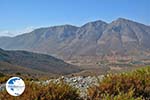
<point x="131" y="85"/>
<point x="34" y="91"/>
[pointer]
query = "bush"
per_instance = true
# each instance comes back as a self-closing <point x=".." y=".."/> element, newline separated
<point x="2" y="75"/>
<point x="51" y="91"/>
<point x="119" y="85"/>
<point x="3" y="78"/>
<point x="121" y="96"/>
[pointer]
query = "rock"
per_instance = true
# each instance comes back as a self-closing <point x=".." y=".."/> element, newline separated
<point x="80" y="82"/>
<point x="2" y="87"/>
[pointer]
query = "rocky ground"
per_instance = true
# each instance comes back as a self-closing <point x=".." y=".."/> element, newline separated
<point x="80" y="82"/>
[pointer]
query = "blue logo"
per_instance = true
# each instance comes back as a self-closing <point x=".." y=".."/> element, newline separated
<point x="15" y="86"/>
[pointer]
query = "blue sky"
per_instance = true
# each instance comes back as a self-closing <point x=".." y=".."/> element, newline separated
<point x="18" y="16"/>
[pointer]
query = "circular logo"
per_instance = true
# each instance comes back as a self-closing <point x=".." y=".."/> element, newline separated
<point x="15" y="86"/>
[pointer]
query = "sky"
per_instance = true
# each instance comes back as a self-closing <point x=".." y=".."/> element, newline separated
<point x="21" y="16"/>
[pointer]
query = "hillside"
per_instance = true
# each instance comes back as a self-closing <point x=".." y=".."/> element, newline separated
<point x="28" y="62"/>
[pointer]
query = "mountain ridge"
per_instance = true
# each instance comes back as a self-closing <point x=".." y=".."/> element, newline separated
<point x="95" y="38"/>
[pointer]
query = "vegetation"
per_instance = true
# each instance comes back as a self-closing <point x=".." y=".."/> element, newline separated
<point x="133" y="85"/>
<point x="2" y="75"/>
<point x="125" y="86"/>
<point x="3" y="78"/>
<point x="33" y="63"/>
<point x="51" y="91"/>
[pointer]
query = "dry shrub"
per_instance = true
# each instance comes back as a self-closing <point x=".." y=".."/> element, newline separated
<point x="51" y="91"/>
<point x="136" y="83"/>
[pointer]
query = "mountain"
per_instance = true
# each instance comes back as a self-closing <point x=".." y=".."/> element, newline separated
<point x="85" y="42"/>
<point x="125" y="36"/>
<point x="122" y="36"/>
<point x="44" y="40"/>
<point x="19" y="61"/>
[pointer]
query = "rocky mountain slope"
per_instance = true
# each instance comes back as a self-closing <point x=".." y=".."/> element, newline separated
<point x="122" y="36"/>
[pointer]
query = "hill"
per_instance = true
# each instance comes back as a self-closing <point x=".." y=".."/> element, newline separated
<point x="33" y="63"/>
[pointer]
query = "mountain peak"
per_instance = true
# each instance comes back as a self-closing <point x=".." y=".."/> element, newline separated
<point x="94" y="23"/>
<point x="66" y="26"/>
<point x="126" y="21"/>
<point x="121" y="20"/>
